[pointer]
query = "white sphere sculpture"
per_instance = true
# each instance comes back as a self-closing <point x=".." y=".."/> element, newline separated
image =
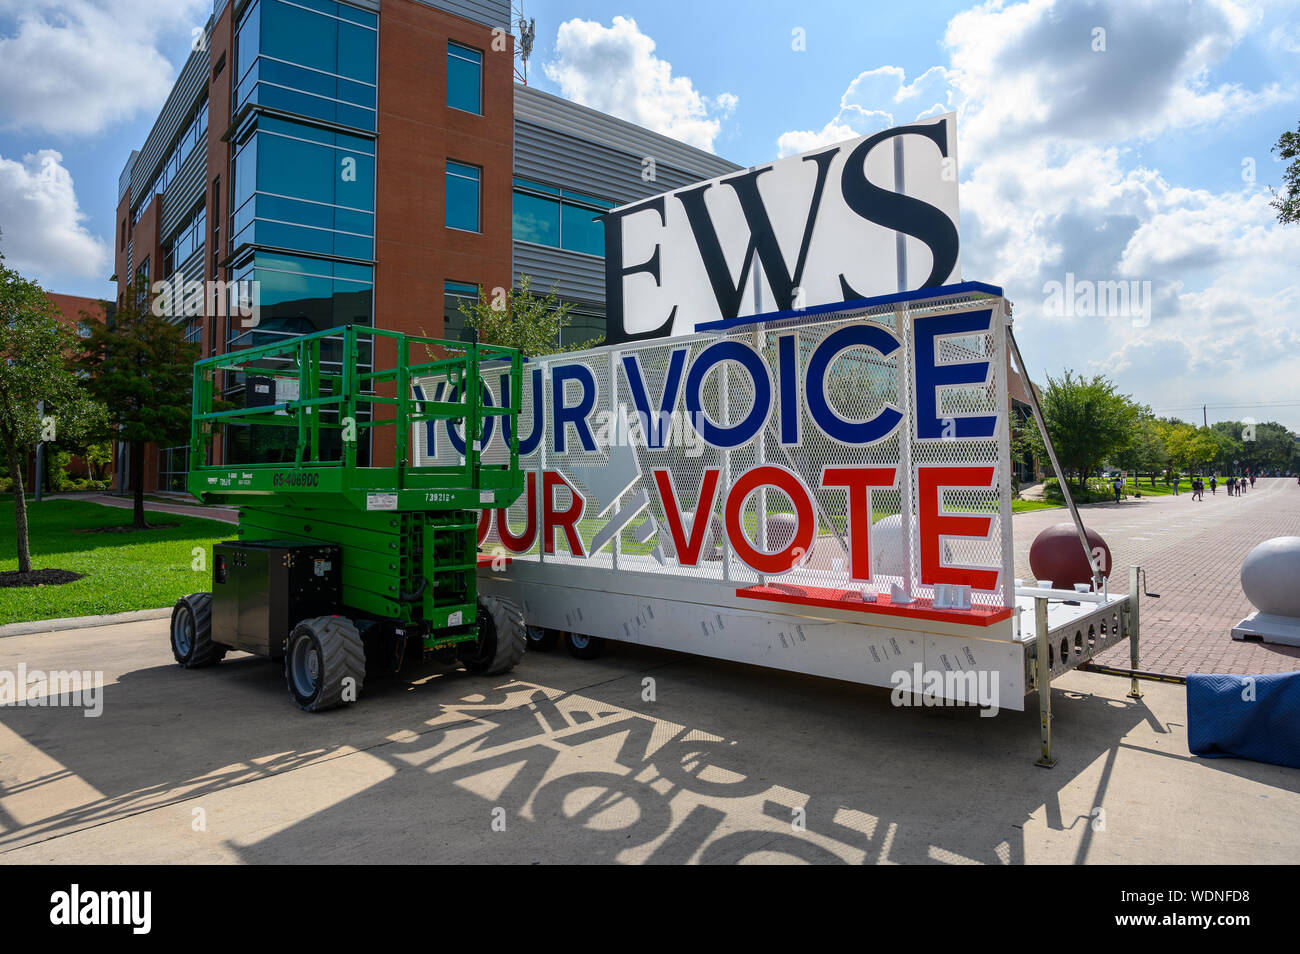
<point x="1270" y="576"/>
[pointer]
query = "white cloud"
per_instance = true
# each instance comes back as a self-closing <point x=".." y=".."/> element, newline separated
<point x="1048" y="130"/>
<point x="78" y="66"/>
<point x="614" y="69"/>
<point x="1042" y="69"/>
<point x="875" y="100"/>
<point x="42" y="224"/>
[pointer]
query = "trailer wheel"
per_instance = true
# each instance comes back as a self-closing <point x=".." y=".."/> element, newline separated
<point x="542" y="639"/>
<point x="584" y="647"/>
<point x="324" y="663"/>
<point x="502" y="638"/>
<point x="191" y="632"/>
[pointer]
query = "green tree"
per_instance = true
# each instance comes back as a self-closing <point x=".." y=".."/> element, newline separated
<point x="1228" y="436"/>
<point x="1287" y="202"/>
<point x="98" y="456"/>
<point x="35" y="366"/>
<point x="523" y="321"/>
<point x="1145" y="453"/>
<point x="140" y="367"/>
<point x="1255" y="447"/>
<point x="1090" y="422"/>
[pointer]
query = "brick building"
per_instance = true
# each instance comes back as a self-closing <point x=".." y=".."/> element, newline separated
<point x="372" y="162"/>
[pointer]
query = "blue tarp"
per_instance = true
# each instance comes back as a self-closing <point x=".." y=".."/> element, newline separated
<point x="1249" y="717"/>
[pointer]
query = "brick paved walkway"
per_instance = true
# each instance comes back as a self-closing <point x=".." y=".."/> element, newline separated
<point x="1192" y="553"/>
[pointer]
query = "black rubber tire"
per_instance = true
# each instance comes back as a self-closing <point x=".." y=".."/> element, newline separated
<point x="340" y="656"/>
<point x="541" y="639"/>
<point x="502" y="638"/>
<point x="584" y="647"/>
<point x="198" y="650"/>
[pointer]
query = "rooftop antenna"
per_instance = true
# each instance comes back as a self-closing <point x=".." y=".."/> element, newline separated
<point x="527" y="31"/>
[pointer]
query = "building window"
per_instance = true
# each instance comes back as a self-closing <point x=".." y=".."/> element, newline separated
<point x="463" y="187"/>
<point x="195" y="134"/>
<point x="586" y="324"/>
<point x="122" y="243"/>
<point x="453" y="322"/>
<point x="464" y="78"/>
<point x="316" y="58"/>
<point x="187" y="241"/>
<point x="173" y="468"/>
<point x="300" y="295"/>
<point x="547" y="215"/>
<point x="303" y="188"/>
<point x="142" y="285"/>
<point x="216" y="224"/>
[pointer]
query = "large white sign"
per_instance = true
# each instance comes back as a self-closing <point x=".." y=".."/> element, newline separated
<point x="866" y="217"/>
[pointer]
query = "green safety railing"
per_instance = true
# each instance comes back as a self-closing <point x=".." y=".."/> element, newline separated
<point x="349" y="401"/>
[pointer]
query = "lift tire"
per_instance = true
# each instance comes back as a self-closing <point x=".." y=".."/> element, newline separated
<point x="542" y="639"/>
<point x="584" y="647"/>
<point x="191" y="632"/>
<point x="320" y="655"/>
<point x="502" y="638"/>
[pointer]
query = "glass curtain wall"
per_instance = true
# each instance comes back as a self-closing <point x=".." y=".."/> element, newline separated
<point x="302" y="185"/>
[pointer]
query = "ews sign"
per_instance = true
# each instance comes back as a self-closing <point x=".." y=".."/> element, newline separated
<point x="870" y="216"/>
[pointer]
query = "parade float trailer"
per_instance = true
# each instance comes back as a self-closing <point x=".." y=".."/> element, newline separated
<point x="802" y="467"/>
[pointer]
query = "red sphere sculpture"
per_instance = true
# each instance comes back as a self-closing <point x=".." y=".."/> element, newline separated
<point x="1057" y="555"/>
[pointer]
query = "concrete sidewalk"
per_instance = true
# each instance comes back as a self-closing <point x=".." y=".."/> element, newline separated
<point x="224" y="514"/>
<point x="217" y="766"/>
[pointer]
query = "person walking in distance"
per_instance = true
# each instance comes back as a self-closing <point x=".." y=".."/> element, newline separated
<point x="1252" y="481"/>
<point x="1198" y="489"/>
<point x="1178" y="479"/>
<point x="1214" y="484"/>
<point x="1117" y="485"/>
<point x="1232" y="485"/>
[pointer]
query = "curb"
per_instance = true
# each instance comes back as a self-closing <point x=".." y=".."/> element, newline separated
<point x="81" y="622"/>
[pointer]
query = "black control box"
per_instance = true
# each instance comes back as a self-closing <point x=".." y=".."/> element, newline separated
<point x="261" y="591"/>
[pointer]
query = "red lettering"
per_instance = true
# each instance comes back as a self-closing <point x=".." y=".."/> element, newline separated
<point x="566" y="520"/>
<point x="859" y="481"/>
<point x="522" y="542"/>
<point x="935" y="525"/>
<point x="794" y="552"/>
<point x="688" y="551"/>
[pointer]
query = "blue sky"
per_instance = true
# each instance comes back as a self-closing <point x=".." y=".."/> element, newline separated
<point x="1122" y="163"/>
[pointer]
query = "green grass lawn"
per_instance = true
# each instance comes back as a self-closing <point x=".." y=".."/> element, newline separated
<point x="1020" y="506"/>
<point x="1160" y="489"/>
<point x="144" y="569"/>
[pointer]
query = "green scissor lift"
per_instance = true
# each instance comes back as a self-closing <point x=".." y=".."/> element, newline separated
<point x="344" y="565"/>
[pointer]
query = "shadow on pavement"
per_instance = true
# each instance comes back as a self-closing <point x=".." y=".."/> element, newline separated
<point x="578" y="764"/>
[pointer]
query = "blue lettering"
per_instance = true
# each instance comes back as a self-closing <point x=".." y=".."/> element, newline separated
<point x="876" y="338"/>
<point x="931" y="376"/>
<point x="755" y="367"/>
<point x="577" y="414"/>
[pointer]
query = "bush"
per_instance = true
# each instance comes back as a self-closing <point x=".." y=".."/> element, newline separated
<point x="84" y="484"/>
<point x="1094" y="493"/>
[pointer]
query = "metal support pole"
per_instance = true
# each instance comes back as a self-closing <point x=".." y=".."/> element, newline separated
<point x="1056" y="464"/>
<point x="1134" y="597"/>
<point x="1043" y="667"/>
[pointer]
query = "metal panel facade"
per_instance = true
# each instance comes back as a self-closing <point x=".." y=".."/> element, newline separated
<point x="568" y="146"/>
<point x="493" y="13"/>
<point x="190" y="87"/>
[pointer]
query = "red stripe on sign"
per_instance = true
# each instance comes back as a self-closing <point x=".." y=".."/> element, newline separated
<point x="852" y="600"/>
